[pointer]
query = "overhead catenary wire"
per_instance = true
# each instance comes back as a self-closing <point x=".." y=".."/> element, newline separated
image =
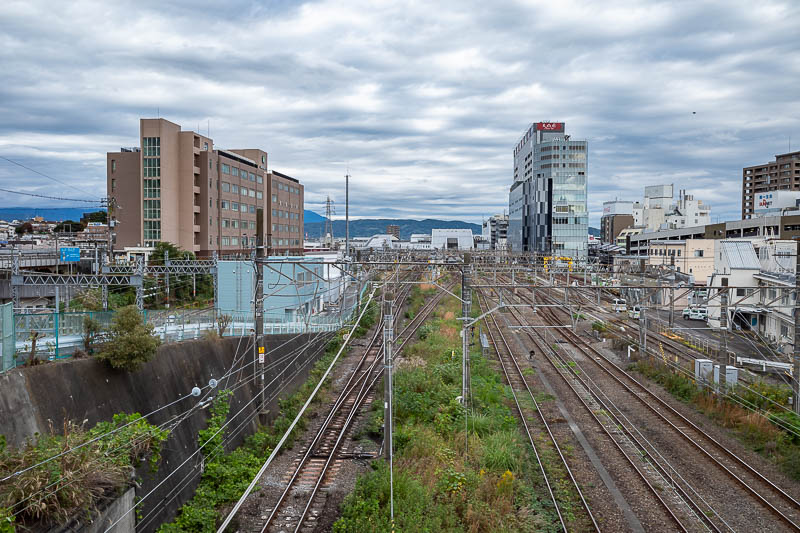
<point x="285" y="436"/>
<point x="45" y="175"/>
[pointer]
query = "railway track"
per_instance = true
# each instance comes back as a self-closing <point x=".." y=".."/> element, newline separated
<point x="302" y="502"/>
<point x="519" y="387"/>
<point x="763" y="491"/>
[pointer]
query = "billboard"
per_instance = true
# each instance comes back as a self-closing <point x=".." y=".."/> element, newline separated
<point x="776" y="200"/>
<point x="550" y="126"/>
<point x="70" y="255"/>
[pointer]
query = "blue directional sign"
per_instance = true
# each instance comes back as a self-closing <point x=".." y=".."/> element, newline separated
<point x="70" y="254"/>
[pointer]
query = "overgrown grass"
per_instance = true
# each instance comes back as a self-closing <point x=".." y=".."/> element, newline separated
<point x="441" y="484"/>
<point x="773" y="434"/>
<point x="227" y="474"/>
<point x="61" y="489"/>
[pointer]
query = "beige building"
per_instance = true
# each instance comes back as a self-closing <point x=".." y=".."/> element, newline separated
<point x="690" y="256"/>
<point x="176" y="187"/>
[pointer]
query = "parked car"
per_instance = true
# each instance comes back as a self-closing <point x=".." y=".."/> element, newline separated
<point x="698" y="313"/>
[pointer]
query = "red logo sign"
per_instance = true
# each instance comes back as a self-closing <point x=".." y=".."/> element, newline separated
<point x="550" y="126"/>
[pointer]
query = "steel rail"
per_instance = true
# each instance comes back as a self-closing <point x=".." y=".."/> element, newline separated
<point x="583" y="346"/>
<point x="493" y="321"/>
<point x="549" y="355"/>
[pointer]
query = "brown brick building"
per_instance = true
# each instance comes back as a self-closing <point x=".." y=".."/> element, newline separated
<point x="781" y="174"/>
<point x="176" y="187"/>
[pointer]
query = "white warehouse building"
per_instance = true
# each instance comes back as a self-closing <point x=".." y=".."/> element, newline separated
<point x="452" y="239"/>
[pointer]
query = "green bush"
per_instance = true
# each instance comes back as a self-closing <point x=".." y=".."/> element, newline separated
<point x="366" y="509"/>
<point x="58" y="490"/>
<point x="131" y="341"/>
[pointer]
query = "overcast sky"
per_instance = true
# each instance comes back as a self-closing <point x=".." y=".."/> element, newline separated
<point x="422" y="101"/>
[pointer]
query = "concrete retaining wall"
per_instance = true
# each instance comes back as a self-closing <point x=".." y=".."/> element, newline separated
<point x="86" y="389"/>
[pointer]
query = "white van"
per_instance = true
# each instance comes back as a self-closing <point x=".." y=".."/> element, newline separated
<point x="619" y="305"/>
<point x="634" y="312"/>
<point x="698" y="313"/>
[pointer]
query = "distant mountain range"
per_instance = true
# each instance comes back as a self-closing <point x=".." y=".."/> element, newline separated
<point x="51" y="214"/>
<point x="368" y="227"/>
<point x="314" y="223"/>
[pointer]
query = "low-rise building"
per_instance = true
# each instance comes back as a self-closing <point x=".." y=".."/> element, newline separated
<point x="688" y="256"/>
<point x="452" y="239"/>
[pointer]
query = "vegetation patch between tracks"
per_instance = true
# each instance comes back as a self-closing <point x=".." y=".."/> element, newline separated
<point x="227" y="474"/>
<point x="438" y="485"/>
<point x="752" y="412"/>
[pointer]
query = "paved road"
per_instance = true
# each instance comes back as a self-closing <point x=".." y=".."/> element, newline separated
<point x="742" y="344"/>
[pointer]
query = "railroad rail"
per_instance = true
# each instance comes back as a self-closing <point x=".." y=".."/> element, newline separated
<point x="737" y="468"/>
<point x="518" y="384"/>
<point x="311" y="472"/>
<point x="564" y="370"/>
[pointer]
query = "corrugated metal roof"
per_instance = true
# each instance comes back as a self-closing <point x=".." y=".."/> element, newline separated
<point x="741" y="255"/>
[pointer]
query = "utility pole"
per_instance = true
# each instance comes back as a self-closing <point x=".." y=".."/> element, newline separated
<point x="166" y="276"/>
<point x="671" y="308"/>
<point x="796" y="354"/>
<point x="388" y="342"/>
<point x="258" y="312"/>
<point x="466" y="301"/>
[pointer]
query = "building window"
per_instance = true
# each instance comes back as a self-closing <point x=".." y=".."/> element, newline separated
<point x="244" y="208"/>
<point x="235" y="206"/>
<point x="224" y="204"/>
<point x="152" y="209"/>
<point x="226" y="241"/>
<point x="226" y="169"/>
<point x="235" y="223"/>
<point x="151" y="167"/>
<point x="252" y="209"/>
<point x="205" y="146"/>
<point x="226" y="223"/>
<point x="259" y="195"/>
<point x="152" y="232"/>
<point x="113" y="165"/>
<point x="259" y="179"/>
<point x="234" y="241"/>
<point x="226" y="187"/>
<point x="151" y="146"/>
<point x="113" y="184"/>
<point x="252" y="177"/>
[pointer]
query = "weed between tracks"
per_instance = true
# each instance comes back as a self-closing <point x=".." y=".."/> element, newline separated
<point x="226" y="475"/>
<point x="437" y="485"/>
<point x="775" y="435"/>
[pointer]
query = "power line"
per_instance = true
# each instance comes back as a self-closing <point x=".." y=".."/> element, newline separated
<point x="45" y="175"/>
<point x="52" y="197"/>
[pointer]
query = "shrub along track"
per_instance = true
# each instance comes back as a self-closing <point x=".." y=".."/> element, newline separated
<point x="694" y="453"/>
<point x="301" y="505"/>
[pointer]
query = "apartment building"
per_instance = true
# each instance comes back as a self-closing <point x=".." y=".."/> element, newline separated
<point x="176" y="187"/>
<point x="783" y="174"/>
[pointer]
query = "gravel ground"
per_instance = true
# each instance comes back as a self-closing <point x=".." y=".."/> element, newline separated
<point x="325" y="510"/>
<point x="647" y="511"/>
<point x="723" y="494"/>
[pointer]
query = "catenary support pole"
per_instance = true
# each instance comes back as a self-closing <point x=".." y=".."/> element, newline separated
<point x="796" y="354"/>
<point x="258" y="311"/>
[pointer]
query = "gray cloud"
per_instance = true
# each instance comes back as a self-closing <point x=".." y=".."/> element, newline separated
<point x="422" y="103"/>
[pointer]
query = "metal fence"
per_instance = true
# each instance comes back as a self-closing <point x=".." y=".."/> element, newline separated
<point x="61" y="334"/>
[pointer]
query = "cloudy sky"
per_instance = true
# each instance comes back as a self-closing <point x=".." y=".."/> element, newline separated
<point x="422" y="101"/>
